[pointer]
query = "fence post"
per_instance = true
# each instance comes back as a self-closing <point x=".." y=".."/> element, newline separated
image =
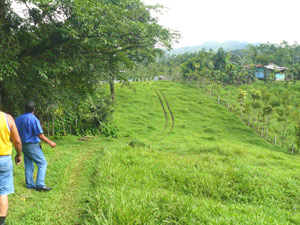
<point x="267" y="129"/>
<point x="262" y="131"/>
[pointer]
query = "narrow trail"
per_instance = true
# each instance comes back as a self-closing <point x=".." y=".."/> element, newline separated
<point x="70" y="172"/>
<point x="72" y="196"/>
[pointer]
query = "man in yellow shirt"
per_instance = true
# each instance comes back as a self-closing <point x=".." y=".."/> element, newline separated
<point x="8" y="135"/>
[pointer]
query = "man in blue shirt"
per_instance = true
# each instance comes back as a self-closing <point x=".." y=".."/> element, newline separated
<point x="31" y="134"/>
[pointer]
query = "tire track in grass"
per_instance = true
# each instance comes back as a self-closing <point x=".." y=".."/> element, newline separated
<point x="163" y="101"/>
<point x="170" y="111"/>
<point x="163" y="108"/>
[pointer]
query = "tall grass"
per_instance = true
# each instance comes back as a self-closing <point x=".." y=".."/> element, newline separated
<point x="211" y="169"/>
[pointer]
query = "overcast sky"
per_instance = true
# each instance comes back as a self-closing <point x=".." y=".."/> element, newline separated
<point x="222" y="20"/>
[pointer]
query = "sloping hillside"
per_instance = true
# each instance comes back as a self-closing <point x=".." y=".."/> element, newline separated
<point x="180" y="159"/>
<point x="207" y="169"/>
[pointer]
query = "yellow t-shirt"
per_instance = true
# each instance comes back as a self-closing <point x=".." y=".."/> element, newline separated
<point x="5" y="143"/>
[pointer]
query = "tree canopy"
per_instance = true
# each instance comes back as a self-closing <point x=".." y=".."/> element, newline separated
<point x="57" y="52"/>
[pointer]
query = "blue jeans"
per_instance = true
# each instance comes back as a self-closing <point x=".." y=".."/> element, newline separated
<point x="33" y="153"/>
<point x="6" y="175"/>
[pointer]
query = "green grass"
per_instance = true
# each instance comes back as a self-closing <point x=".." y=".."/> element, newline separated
<point x="210" y="169"/>
<point x="277" y="98"/>
<point x="70" y="169"/>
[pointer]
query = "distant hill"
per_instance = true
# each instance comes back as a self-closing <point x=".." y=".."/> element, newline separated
<point x="227" y="46"/>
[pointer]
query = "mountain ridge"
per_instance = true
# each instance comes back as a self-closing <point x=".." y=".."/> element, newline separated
<point x="227" y="46"/>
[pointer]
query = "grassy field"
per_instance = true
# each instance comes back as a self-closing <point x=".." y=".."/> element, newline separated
<point x="179" y="159"/>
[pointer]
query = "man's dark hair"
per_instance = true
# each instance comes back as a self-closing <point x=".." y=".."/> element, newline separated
<point x="29" y="107"/>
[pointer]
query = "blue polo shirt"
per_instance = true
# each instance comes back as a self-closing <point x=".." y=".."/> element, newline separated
<point x="29" y="128"/>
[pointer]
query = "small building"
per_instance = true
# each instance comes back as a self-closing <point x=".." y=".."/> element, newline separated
<point x="259" y="71"/>
<point x="156" y="78"/>
<point x="262" y="72"/>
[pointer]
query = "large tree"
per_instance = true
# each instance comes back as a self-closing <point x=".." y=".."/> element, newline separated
<point x="68" y="46"/>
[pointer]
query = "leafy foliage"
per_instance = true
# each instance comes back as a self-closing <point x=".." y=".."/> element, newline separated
<point x="59" y="52"/>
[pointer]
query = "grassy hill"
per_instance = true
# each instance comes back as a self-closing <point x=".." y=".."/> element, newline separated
<point x="180" y="159"/>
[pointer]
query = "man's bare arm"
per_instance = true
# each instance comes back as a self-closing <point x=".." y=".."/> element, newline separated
<point x="45" y="139"/>
<point x="14" y="134"/>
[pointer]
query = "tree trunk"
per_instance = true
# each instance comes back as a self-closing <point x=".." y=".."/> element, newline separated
<point x="112" y="90"/>
<point x="275" y="140"/>
<point x="218" y="99"/>
<point x="76" y="125"/>
<point x="249" y="121"/>
<point x="241" y="110"/>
